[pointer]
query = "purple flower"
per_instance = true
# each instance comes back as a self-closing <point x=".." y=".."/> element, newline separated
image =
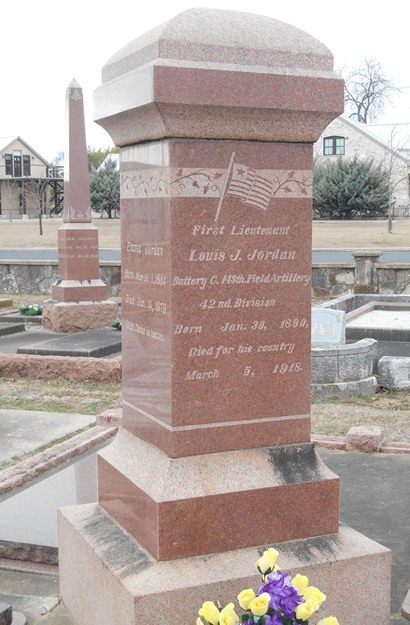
<point x="284" y="596"/>
<point x="273" y="620"/>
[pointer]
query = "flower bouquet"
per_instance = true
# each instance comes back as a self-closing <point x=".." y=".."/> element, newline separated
<point x="31" y="310"/>
<point x="280" y="600"/>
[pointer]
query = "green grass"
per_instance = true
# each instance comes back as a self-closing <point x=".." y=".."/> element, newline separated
<point x="59" y="396"/>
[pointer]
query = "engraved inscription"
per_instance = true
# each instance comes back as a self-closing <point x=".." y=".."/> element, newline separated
<point x="219" y="256"/>
<point x="202" y="375"/>
<point x="180" y="329"/>
<point x="150" y="332"/>
<point x="145" y="248"/>
<point x="256" y="254"/>
<point x="234" y="275"/>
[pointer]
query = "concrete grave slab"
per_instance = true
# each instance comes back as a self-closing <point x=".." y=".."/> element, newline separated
<point x="91" y="343"/>
<point x="12" y="342"/>
<point x="10" y="328"/>
<point x="19" y="437"/>
<point x="16" y="316"/>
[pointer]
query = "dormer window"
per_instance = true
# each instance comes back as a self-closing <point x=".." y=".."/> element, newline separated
<point x="333" y="146"/>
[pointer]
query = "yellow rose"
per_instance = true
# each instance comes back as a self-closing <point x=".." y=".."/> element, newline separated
<point x="313" y="593"/>
<point x="228" y="615"/>
<point x="267" y="561"/>
<point x="300" y="581"/>
<point x="330" y="620"/>
<point x="259" y="606"/>
<point x="245" y="597"/>
<point x="198" y="621"/>
<point x="210" y="612"/>
<point x="303" y="611"/>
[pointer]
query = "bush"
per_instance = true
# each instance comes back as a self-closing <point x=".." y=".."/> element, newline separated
<point x="105" y="188"/>
<point x="349" y="188"/>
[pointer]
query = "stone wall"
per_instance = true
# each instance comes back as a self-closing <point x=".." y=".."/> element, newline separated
<point x="26" y="277"/>
<point x="334" y="280"/>
<point x="328" y="280"/>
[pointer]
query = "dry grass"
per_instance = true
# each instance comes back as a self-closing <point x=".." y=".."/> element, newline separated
<point x="325" y="233"/>
<point x="389" y="410"/>
<point x="26" y="233"/>
<point x="360" y="234"/>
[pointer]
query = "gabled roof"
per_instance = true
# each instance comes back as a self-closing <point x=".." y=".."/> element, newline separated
<point x="6" y="141"/>
<point x="363" y="129"/>
<point x="114" y="156"/>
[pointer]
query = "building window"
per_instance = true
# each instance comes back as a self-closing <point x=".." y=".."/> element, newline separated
<point x="26" y="165"/>
<point x="8" y="161"/>
<point x="17" y="165"/>
<point x="334" y="145"/>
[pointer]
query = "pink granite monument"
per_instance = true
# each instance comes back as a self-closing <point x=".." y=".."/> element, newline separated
<point x="80" y="296"/>
<point x="216" y="113"/>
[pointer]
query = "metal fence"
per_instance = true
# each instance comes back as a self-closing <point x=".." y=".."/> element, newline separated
<point x="401" y="212"/>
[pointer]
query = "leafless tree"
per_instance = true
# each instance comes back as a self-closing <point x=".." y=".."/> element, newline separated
<point x="396" y="169"/>
<point x="38" y="198"/>
<point x="367" y="91"/>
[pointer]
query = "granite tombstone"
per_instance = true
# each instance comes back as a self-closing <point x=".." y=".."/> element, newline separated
<point x="216" y="113"/>
<point x="79" y="295"/>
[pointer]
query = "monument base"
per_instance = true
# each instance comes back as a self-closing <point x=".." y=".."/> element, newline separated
<point x="106" y="577"/>
<point x="172" y="517"/>
<point x="78" y="316"/>
<point x="79" y="291"/>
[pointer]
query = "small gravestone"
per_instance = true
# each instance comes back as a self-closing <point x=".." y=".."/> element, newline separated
<point x="328" y="326"/>
<point x="79" y="295"/>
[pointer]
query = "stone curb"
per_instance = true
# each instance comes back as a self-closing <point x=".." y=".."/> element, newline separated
<point x="339" y="442"/>
<point x="32" y="467"/>
<point x="8" y="564"/>
<point x="78" y="368"/>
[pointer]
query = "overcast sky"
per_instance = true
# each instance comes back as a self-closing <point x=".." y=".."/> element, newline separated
<point x="46" y="44"/>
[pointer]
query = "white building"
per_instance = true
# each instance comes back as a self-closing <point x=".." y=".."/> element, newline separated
<point x="345" y="138"/>
<point x="28" y="183"/>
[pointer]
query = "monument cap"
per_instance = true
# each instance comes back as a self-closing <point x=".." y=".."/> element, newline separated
<point x="221" y="37"/>
<point x="210" y="73"/>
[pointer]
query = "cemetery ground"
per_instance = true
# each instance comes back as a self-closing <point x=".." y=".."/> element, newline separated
<point x="386" y="409"/>
<point x="326" y="234"/>
<point x="333" y="417"/>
